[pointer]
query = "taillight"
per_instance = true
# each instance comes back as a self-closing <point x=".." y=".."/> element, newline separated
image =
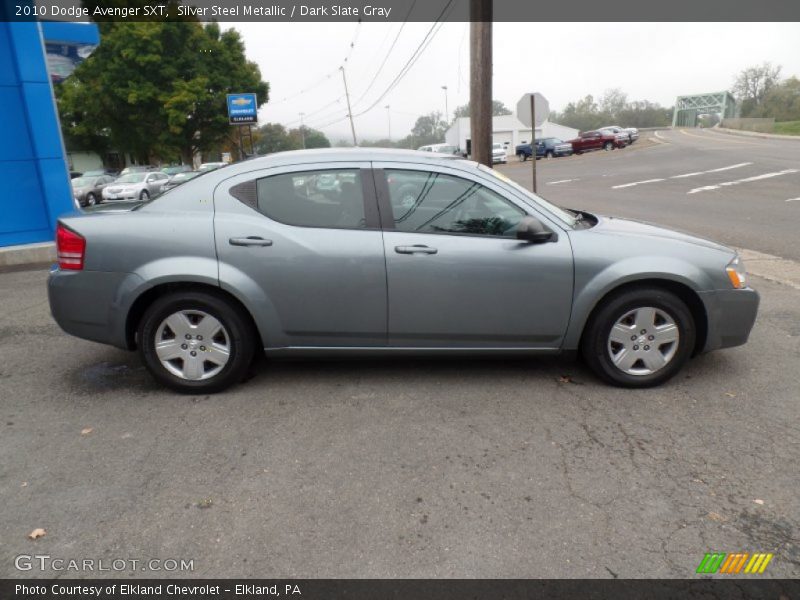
<point x="71" y="249"/>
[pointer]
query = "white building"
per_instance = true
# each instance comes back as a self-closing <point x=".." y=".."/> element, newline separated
<point x="509" y="131"/>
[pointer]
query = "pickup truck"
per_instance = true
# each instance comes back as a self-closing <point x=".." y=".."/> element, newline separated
<point x="596" y="140"/>
<point x="548" y="147"/>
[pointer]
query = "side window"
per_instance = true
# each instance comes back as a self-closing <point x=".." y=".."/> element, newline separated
<point x="331" y="198"/>
<point x="424" y="202"/>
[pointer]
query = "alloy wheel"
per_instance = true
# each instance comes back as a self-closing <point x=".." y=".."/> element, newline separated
<point x="192" y="345"/>
<point x="643" y="341"/>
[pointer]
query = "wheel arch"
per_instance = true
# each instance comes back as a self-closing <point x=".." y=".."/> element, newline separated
<point x="689" y="296"/>
<point x="146" y="299"/>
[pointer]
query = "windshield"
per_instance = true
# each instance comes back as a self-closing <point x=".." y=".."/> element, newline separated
<point x="131" y="178"/>
<point x="81" y="182"/>
<point x="562" y="214"/>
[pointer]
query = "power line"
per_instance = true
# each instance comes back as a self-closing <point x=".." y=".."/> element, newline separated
<point x="423" y="45"/>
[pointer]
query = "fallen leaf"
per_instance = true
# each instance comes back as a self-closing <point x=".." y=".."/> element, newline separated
<point x="37" y="533"/>
<point x="564" y="379"/>
<point x="87" y="430"/>
<point x="205" y="503"/>
<point x="758" y="501"/>
<point x="730" y="394"/>
<point x="716" y="517"/>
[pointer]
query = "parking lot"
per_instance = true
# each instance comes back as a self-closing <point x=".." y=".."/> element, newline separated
<point x="433" y="468"/>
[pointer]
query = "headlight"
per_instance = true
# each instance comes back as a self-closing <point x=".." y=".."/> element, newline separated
<point x="737" y="273"/>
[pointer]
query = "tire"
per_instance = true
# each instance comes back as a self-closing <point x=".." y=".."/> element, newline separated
<point x="608" y="337"/>
<point x="549" y="154"/>
<point x="229" y="350"/>
<point x="144" y="196"/>
<point x="521" y="156"/>
<point x="91" y="199"/>
<point x="608" y="146"/>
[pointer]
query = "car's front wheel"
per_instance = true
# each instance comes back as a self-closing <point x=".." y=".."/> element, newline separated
<point x="196" y="342"/>
<point x="144" y="196"/>
<point x="91" y="199"/>
<point x="639" y="338"/>
<point x="608" y="146"/>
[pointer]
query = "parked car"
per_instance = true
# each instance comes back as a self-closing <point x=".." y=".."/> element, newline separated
<point x="138" y="169"/>
<point x="210" y="166"/>
<point x="633" y="133"/>
<point x="178" y="179"/>
<point x="135" y="186"/>
<point x="88" y="190"/>
<point x="101" y="172"/>
<point x="440" y="148"/>
<point x="241" y="259"/>
<point x="74" y="174"/>
<point x="499" y="154"/>
<point x="623" y="133"/>
<point x="175" y="169"/>
<point x="596" y="140"/>
<point x="545" y="148"/>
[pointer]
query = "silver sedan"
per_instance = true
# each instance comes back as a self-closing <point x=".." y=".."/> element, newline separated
<point x="399" y="253"/>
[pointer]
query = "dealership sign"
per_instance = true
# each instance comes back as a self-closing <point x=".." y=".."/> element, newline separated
<point x="242" y="109"/>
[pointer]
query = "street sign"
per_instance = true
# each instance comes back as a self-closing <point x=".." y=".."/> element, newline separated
<point x="541" y="107"/>
<point x="242" y="109"/>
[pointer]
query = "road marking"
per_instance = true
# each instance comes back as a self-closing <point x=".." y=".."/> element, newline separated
<point x="736" y="166"/>
<point x="561" y="181"/>
<point x="715" y="138"/>
<point x="793" y="199"/>
<point x="745" y="180"/>
<point x="624" y="185"/>
<point x="660" y="139"/>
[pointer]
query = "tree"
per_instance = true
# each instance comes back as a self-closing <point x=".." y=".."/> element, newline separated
<point x="781" y="102"/>
<point x="158" y="89"/>
<point x="273" y="137"/>
<point x="752" y="85"/>
<point x="613" y="108"/>
<point x="429" y="129"/>
<point x="498" y="108"/>
<point x="613" y="103"/>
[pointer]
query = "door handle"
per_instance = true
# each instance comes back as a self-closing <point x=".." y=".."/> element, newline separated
<point x="249" y="241"/>
<point x="415" y="249"/>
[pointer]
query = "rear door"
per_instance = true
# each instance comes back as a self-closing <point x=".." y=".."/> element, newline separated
<point x="457" y="276"/>
<point x="303" y="244"/>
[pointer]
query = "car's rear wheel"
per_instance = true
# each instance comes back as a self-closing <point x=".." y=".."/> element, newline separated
<point x="196" y="342"/>
<point x="640" y="337"/>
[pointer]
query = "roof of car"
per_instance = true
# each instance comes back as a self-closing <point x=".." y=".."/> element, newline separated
<point x="342" y="155"/>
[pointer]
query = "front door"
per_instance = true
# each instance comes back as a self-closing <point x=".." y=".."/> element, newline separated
<point x="457" y="275"/>
<point x="304" y="245"/>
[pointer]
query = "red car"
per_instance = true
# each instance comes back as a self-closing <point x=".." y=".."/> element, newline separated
<point x="596" y="140"/>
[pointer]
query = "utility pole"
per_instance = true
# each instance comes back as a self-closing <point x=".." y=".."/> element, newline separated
<point x="349" y="110"/>
<point x="389" y="120"/>
<point x="481" y="80"/>
<point x="302" y="131"/>
<point x="446" y="111"/>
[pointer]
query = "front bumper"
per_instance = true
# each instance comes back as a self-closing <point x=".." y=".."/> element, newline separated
<point x="731" y="316"/>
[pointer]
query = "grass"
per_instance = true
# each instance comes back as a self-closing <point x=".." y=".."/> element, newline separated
<point x="788" y="128"/>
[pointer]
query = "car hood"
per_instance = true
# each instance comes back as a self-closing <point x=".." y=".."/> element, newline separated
<point x="617" y="226"/>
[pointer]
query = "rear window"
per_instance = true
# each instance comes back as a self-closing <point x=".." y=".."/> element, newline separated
<point x="331" y="199"/>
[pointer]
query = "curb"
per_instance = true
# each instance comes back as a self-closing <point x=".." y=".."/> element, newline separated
<point x="756" y="134"/>
<point x="28" y="254"/>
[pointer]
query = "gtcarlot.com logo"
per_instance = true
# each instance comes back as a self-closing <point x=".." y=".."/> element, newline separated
<point x="732" y="564"/>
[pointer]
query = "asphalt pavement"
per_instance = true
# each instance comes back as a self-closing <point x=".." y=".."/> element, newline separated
<point x="425" y="468"/>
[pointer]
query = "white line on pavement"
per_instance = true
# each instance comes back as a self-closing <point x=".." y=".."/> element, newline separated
<point x="624" y="185"/>
<point x="561" y="181"/>
<point x="738" y="181"/>
<point x="793" y="199"/>
<point x="711" y="171"/>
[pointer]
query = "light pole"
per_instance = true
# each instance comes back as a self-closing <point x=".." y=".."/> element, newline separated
<point x="389" y="120"/>
<point x="446" y="111"/>
<point x="302" y="131"/>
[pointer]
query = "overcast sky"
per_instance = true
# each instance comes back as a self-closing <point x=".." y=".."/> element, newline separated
<point x="653" y="61"/>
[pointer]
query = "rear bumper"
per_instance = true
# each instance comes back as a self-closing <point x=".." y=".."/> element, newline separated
<point x="731" y="316"/>
<point x="89" y="304"/>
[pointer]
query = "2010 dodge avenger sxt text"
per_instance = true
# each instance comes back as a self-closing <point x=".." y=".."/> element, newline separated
<point x="387" y="252"/>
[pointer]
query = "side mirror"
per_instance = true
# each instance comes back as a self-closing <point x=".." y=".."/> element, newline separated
<point x="531" y="230"/>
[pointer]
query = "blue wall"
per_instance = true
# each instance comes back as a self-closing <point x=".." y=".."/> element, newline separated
<point x="34" y="181"/>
